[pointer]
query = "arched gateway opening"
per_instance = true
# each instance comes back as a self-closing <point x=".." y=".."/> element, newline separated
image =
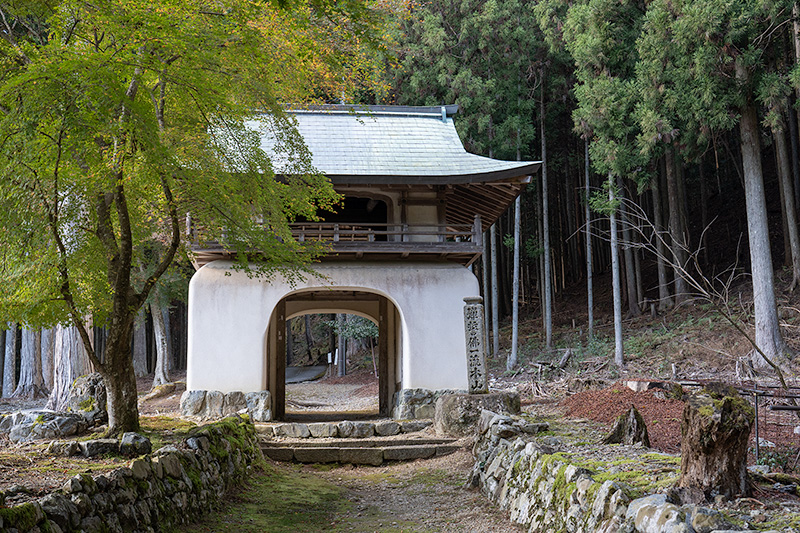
<point x="373" y="306"/>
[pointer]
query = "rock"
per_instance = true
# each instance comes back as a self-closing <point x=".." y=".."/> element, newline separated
<point x="705" y="520"/>
<point x="323" y="429"/>
<point x="214" y="403"/>
<point x="60" y="510"/>
<point x="21" y="433"/>
<point x="418" y="403"/>
<point x="170" y="463"/>
<point x="193" y="403"/>
<point x="92" y="448"/>
<point x="386" y="428"/>
<point x="258" y="406"/>
<point x="293" y="430"/>
<point x="66" y="426"/>
<point x="412" y="426"/>
<point x="87" y="398"/>
<point x="159" y="391"/>
<point x="233" y="402"/>
<point x="629" y="429"/>
<point x="345" y="428"/>
<point x="134" y="444"/>
<point x="140" y="468"/>
<point x="65" y="448"/>
<point x="714" y="434"/>
<point x="458" y="414"/>
<point x="362" y="430"/>
<point x="759" y="469"/>
<point x="198" y="443"/>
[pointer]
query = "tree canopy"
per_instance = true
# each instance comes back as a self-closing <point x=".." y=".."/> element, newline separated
<point x="118" y="119"/>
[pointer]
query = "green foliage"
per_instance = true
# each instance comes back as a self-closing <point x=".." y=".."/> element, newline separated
<point x="778" y="459"/>
<point x="531" y="248"/>
<point x="354" y="327"/>
<point x="482" y="56"/>
<point x="119" y="118"/>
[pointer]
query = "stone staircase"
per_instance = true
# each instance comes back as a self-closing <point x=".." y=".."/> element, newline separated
<point x="359" y="443"/>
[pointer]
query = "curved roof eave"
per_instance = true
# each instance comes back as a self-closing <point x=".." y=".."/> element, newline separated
<point x="523" y="173"/>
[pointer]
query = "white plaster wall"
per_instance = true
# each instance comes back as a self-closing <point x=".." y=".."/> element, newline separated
<point x="228" y="317"/>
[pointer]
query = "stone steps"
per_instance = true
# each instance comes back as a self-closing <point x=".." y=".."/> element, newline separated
<point x="358" y="451"/>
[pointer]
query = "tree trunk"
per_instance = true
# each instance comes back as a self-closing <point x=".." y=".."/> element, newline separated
<point x="664" y="297"/>
<point x="342" y="366"/>
<point x="309" y="338"/>
<point x="69" y="363"/>
<point x="31" y="382"/>
<point x="161" y="369"/>
<point x="627" y="249"/>
<point x="714" y="434"/>
<point x="289" y="344"/>
<point x="793" y="142"/>
<point x="48" y="342"/>
<point x="548" y="304"/>
<point x="120" y="380"/>
<point x="788" y="202"/>
<point x="2" y="358"/>
<point x="768" y="336"/>
<point x="10" y="363"/>
<point x="680" y="253"/>
<point x="796" y="40"/>
<point x="495" y="306"/>
<point x="511" y="362"/>
<point x="140" y="344"/>
<point x="486" y="292"/>
<point x="703" y="213"/>
<point x="619" y="357"/>
<point x="588" y="214"/>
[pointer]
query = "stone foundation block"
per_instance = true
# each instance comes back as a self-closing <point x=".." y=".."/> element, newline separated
<point x="386" y="428"/>
<point x="316" y="455"/>
<point x="279" y="454"/>
<point x="361" y="456"/>
<point x="362" y="430"/>
<point x="294" y="430"/>
<point x="458" y="414"/>
<point x="323" y="429"/>
<point x="408" y="453"/>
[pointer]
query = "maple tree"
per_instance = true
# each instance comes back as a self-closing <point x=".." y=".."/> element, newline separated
<point x="119" y="118"/>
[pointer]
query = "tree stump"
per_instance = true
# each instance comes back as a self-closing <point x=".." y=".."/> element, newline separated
<point x="714" y="434"/>
<point x="629" y="429"/>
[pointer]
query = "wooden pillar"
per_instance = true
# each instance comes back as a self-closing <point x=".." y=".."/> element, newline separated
<point x="280" y="361"/>
<point x="384" y="389"/>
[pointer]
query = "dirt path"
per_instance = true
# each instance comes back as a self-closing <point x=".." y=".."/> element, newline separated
<point x="418" y="496"/>
<point x="421" y="496"/>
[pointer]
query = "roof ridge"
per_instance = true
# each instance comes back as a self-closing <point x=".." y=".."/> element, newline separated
<point x="407" y="110"/>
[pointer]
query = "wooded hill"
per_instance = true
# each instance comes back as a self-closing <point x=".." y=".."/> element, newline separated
<point x="676" y="122"/>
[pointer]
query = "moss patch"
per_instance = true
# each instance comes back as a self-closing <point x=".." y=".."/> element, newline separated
<point x="277" y="500"/>
<point x="22" y="517"/>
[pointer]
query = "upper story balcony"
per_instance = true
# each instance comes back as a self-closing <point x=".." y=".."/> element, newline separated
<point x="459" y="243"/>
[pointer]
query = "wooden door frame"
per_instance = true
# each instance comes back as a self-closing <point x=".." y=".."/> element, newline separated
<point x="386" y="362"/>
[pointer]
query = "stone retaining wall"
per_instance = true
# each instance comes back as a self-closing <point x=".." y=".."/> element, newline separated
<point x="154" y="493"/>
<point x="542" y="490"/>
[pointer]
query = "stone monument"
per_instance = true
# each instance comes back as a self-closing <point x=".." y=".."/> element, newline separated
<point x="476" y="355"/>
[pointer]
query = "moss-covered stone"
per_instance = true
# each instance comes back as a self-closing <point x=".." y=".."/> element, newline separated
<point x="22" y="517"/>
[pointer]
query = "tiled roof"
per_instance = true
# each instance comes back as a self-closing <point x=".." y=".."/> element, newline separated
<point x="389" y="144"/>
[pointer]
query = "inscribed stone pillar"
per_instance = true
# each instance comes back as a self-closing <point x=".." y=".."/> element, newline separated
<point x="476" y="354"/>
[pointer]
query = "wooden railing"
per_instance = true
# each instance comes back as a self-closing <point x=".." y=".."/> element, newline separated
<point x="393" y="233"/>
<point x="461" y="242"/>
